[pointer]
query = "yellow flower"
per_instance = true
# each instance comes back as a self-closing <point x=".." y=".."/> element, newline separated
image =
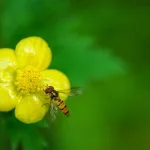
<point x="23" y="78"/>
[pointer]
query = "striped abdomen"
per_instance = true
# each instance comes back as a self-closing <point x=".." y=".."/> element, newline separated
<point x="62" y="106"/>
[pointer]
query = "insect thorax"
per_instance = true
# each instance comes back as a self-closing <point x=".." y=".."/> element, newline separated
<point x="54" y="94"/>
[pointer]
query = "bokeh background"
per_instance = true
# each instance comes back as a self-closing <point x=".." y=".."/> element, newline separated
<point x="103" y="46"/>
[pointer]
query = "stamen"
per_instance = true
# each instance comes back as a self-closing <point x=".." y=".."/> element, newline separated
<point x="27" y="80"/>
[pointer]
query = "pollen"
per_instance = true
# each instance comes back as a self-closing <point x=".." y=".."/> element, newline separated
<point x="27" y="80"/>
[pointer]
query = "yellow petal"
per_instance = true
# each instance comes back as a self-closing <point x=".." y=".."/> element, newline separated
<point x="33" y="51"/>
<point x="56" y="79"/>
<point x="8" y="98"/>
<point x="30" y="109"/>
<point x="8" y="64"/>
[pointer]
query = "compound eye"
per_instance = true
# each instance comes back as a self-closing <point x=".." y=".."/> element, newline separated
<point x="48" y="90"/>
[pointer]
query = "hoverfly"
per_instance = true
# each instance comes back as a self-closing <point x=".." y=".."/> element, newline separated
<point x="56" y="103"/>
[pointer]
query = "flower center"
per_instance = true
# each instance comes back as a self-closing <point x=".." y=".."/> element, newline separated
<point x="27" y="80"/>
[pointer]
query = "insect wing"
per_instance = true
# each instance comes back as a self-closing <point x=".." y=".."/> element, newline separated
<point x="73" y="91"/>
<point x="53" y="110"/>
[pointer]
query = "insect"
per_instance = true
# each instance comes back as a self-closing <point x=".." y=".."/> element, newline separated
<point x="56" y="101"/>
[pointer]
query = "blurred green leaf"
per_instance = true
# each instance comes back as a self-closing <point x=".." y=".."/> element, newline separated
<point x="27" y="136"/>
<point x="81" y="60"/>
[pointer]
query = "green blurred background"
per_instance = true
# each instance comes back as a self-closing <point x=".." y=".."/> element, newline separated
<point x="103" y="46"/>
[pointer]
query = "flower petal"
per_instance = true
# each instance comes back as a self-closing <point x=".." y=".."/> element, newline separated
<point x="8" y="98"/>
<point x="30" y="108"/>
<point x="33" y="51"/>
<point x="8" y="64"/>
<point x="56" y="79"/>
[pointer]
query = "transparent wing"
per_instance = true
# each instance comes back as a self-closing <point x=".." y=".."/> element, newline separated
<point x="53" y="110"/>
<point x="75" y="91"/>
